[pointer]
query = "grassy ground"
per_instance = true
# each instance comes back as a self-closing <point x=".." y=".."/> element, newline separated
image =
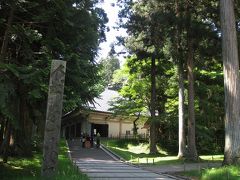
<point x="230" y="172"/>
<point x="30" y="168"/>
<point x="135" y="152"/>
<point x="223" y="173"/>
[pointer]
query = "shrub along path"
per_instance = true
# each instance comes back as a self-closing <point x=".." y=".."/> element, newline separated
<point x="97" y="164"/>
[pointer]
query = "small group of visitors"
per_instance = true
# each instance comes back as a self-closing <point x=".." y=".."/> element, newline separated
<point x="88" y="142"/>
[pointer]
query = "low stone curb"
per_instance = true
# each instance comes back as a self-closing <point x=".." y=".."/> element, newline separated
<point x="117" y="157"/>
<point x="177" y="177"/>
<point x="69" y="152"/>
<point x="112" y="154"/>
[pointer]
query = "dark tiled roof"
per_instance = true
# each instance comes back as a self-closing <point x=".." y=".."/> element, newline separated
<point x="102" y="103"/>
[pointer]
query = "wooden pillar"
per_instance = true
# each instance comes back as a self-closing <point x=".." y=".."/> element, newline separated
<point x="75" y="130"/>
<point x="63" y="132"/>
<point x="69" y="131"/>
<point x="53" y="118"/>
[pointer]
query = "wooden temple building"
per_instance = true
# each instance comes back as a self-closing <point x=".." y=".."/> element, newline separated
<point x="98" y="119"/>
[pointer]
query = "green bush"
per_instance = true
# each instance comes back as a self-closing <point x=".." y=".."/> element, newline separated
<point x="223" y="173"/>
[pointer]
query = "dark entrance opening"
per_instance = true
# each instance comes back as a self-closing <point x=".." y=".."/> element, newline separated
<point x="78" y="130"/>
<point x="102" y="129"/>
<point x="72" y="131"/>
<point x="67" y="132"/>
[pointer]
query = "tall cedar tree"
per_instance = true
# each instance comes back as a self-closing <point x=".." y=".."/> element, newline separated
<point x="231" y="82"/>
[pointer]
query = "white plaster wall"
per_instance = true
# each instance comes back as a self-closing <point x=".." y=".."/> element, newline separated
<point x="142" y="132"/>
<point x="113" y="129"/>
<point x="127" y="127"/>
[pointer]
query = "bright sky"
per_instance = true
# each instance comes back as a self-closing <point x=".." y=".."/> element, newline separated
<point x="112" y="13"/>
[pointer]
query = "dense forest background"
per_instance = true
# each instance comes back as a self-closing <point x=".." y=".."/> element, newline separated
<point x="32" y="33"/>
<point x="180" y="38"/>
<point x="174" y="71"/>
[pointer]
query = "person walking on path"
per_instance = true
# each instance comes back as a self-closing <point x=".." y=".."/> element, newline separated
<point x="98" y="140"/>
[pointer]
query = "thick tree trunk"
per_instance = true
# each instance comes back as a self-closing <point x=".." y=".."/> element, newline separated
<point x="6" y="142"/>
<point x="23" y="137"/>
<point x="179" y="61"/>
<point x="2" y="123"/>
<point x="53" y="118"/>
<point x="27" y="124"/>
<point x="135" y="128"/>
<point x="192" y="150"/>
<point x="231" y="83"/>
<point x="6" y="34"/>
<point x="181" y="121"/>
<point x="153" y="138"/>
<point x="23" y="134"/>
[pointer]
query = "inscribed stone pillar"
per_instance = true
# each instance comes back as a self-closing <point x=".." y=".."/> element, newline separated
<point x="53" y="118"/>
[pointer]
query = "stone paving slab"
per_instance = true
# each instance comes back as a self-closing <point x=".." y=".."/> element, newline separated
<point x="159" y="178"/>
<point x="107" y="165"/>
<point x="110" y="168"/>
<point x="99" y="162"/>
<point x="123" y="175"/>
<point x="111" y="171"/>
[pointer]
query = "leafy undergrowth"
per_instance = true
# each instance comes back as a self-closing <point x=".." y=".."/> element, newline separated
<point x="193" y="174"/>
<point x="30" y="168"/>
<point x="223" y="173"/>
<point x="18" y="168"/>
<point x="138" y="152"/>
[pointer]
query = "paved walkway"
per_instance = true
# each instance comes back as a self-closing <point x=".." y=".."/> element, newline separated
<point x="98" y="165"/>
